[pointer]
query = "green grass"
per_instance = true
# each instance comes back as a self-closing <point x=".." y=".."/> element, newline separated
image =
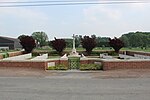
<point x="95" y="49"/>
<point x="137" y="49"/>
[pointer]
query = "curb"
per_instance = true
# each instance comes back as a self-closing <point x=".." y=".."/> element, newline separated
<point x="73" y="71"/>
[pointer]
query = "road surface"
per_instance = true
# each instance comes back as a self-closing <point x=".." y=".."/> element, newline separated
<point x="78" y="88"/>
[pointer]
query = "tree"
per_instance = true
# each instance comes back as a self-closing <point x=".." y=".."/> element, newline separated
<point x="41" y="38"/>
<point x="21" y="36"/>
<point x="136" y="40"/>
<point x="68" y="43"/>
<point x="59" y="45"/>
<point x="88" y="43"/>
<point x="102" y="41"/>
<point x="116" y="43"/>
<point x="78" y="40"/>
<point x="125" y="40"/>
<point x="28" y="43"/>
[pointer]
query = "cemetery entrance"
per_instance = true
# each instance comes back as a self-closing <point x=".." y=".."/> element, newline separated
<point x="74" y="62"/>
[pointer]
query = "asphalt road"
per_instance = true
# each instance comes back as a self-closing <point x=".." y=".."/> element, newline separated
<point x="46" y="88"/>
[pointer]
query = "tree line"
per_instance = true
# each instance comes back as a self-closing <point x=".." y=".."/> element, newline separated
<point x="136" y="39"/>
<point x="87" y="42"/>
<point x="131" y="39"/>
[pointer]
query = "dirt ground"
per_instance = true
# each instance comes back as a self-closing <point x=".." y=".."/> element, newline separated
<point x="130" y="73"/>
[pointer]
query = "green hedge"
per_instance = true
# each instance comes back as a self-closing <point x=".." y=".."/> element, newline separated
<point x="58" y="67"/>
<point x="91" y="67"/>
<point x="5" y="55"/>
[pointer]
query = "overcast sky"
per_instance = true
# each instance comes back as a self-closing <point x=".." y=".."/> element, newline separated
<point x="63" y="21"/>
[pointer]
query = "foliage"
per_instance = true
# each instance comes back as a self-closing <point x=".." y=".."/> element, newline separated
<point x="102" y="42"/>
<point x="88" y="43"/>
<point x="116" y="43"/>
<point x="5" y="55"/>
<point x="91" y="67"/>
<point x="137" y="39"/>
<point x="113" y="53"/>
<point x="59" y="45"/>
<point x="28" y="43"/>
<point x="68" y="43"/>
<point x="21" y="36"/>
<point x="125" y="40"/>
<point x="41" y="38"/>
<point x="78" y="40"/>
<point x="58" y="67"/>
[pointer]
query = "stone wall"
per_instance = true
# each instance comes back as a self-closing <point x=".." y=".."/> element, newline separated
<point x="1" y="56"/>
<point x="11" y="54"/>
<point x="112" y="65"/>
<point x="23" y="64"/>
<point x="131" y="53"/>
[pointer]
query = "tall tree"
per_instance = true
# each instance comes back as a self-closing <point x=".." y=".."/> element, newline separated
<point x="78" y="40"/>
<point x="21" y="36"/>
<point x="116" y="43"/>
<point x="125" y="40"/>
<point x="102" y="41"/>
<point x="59" y="45"/>
<point x="41" y="38"/>
<point x="88" y="43"/>
<point x="28" y="43"/>
<point x="136" y="40"/>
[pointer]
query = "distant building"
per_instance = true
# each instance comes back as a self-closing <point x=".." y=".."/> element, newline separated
<point x="9" y="43"/>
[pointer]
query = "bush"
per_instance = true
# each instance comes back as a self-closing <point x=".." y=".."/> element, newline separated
<point x="116" y="44"/>
<point x="113" y="53"/>
<point x="58" y="67"/>
<point x="28" y="43"/>
<point x="91" y="67"/>
<point x="88" y="43"/>
<point x="59" y="45"/>
<point x="5" y="55"/>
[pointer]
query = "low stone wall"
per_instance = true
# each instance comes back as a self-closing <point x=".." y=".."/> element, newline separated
<point x="11" y="54"/>
<point x="112" y="65"/>
<point x="23" y="64"/>
<point x="131" y="53"/>
<point x="108" y="64"/>
<point x="1" y="56"/>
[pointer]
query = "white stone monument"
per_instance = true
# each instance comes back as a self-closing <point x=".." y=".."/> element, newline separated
<point x="74" y="53"/>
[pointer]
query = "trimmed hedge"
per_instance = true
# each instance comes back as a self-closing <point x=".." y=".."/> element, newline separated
<point x="91" y="67"/>
<point x="58" y="67"/>
<point x="5" y="55"/>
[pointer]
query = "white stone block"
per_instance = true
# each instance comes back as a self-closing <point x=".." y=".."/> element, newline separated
<point x="51" y="64"/>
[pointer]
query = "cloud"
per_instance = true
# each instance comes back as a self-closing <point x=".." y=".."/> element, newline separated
<point x="95" y="12"/>
<point x="22" y="19"/>
<point x="138" y="6"/>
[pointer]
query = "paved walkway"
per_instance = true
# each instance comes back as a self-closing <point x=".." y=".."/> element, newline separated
<point x="130" y="73"/>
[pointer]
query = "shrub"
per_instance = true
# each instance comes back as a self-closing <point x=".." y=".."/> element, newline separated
<point x="59" y="45"/>
<point x="88" y="43"/>
<point x="116" y="43"/>
<point x="113" y="53"/>
<point x="28" y="43"/>
<point x="5" y="55"/>
<point x="58" y="67"/>
<point x="90" y="67"/>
